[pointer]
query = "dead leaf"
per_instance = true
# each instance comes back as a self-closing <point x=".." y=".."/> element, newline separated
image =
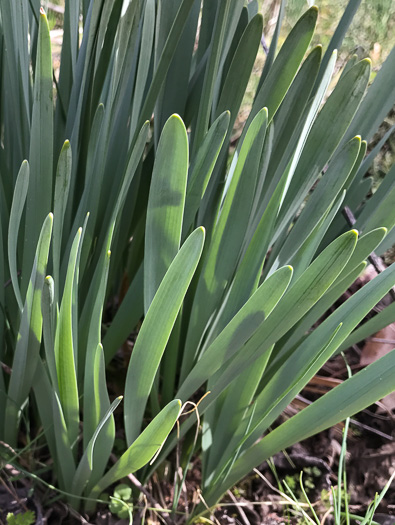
<point x="378" y="345"/>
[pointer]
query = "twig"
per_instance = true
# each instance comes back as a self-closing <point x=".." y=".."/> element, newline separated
<point x="239" y="509"/>
<point x="380" y="340"/>
<point x="164" y="515"/>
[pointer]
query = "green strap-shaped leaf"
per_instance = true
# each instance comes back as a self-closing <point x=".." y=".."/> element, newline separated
<point x="147" y="39"/>
<point x="89" y="202"/>
<point x="27" y="348"/>
<point x="64" y="348"/>
<point x="365" y="246"/>
<point x="291" y="114"/>
<point x="380" y="209"/>
<point x="143" y="448"/>
<point x="165" y="60"/>
<point x="298" y="300"/>
<point x="274" y="397"/>
<point x="62" y="186"/>
<point x="294" y="337"/>
<point x="210" y="77"/>
<point x="377" y="103"/>
<point x="87" y="465"/>
<point x="239" y="73"/>
<point x="202" y="166"/>
<point x="165" y="205"/>
<point x="238" y="331"/>
<point x="227" y="237"/>
<point x="324" y="137"/>
<point x="273" y="45"/>
<point x="327" y="190"/>
<point x="68" y="60"/>
<point x="18" y="204"/>
<point x="107" y="233"/>
<point x="310" y="247"/>
<point x="249" y="270"/>
<point x="352" y="396"/>
<point x="49" y="307"/>
<point x="285" y="66"/>
<point x="96" y="400"/>
<point x="39" y="196"/>
<point x="65" y="456"/>
<point x="155" y="332"/>
<point x="175" y="90"/>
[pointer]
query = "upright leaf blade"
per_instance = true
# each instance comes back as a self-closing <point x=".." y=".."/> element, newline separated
<point x="39" y="197"/>
<point x="18" y="204"/>
<point x="165" y="205"/>
<point x="29" y="337"/>
<point x="162" y="313"/>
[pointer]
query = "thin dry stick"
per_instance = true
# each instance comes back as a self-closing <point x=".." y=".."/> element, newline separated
<point x="239" y="508"/>
<point x="327" y="513"/>
<point x="282" y="494"/>
<point x="164" y="516"/>
<point x="207" y="507"/>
